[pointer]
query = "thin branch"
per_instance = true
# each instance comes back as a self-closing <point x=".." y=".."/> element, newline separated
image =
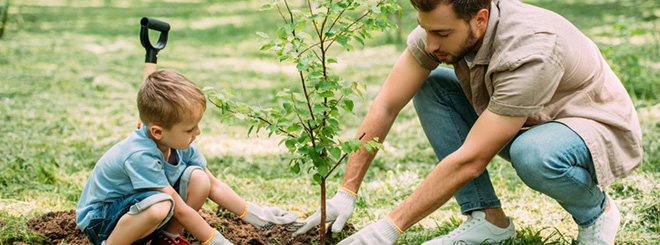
<point x="260" y="118"/>
<point x="281" y="14"/>
<point x="311" y="12"/>
<point x="309" y="104"/>
<point x="341" y="159"/>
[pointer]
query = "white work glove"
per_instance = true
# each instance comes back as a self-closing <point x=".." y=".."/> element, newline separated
<point x="379" y="233"/>
<point x="218" y="239"/>
<point x="266" y="218"/>
<point x="338" y="209"/>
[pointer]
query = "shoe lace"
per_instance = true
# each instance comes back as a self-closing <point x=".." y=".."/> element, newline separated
<point x="463" y="227"/>
<point x="590" y="233"/>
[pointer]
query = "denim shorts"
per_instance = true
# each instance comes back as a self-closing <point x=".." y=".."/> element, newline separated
<point x="106" y="218"/>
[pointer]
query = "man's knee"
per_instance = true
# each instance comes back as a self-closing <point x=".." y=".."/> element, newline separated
<point x="535" y="163"/>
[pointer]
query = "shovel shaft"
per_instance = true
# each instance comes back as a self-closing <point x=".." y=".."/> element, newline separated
<point x="148" y="69"/>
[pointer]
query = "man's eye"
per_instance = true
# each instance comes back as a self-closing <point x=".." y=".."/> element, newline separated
<point x="441" y="35"/>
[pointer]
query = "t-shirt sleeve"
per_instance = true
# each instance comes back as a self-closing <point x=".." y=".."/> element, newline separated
<point x="524" y="89"/>
<point x="195" y="157"/>
<point x="417" y="47"/>
<point x="145" y="171"/>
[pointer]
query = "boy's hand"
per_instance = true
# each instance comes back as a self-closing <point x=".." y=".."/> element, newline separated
<point x="267" y="218"/>
<point x="217" y="239"/>
<point x="339" y="209"/>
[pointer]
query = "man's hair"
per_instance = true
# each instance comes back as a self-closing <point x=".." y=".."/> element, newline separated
<point x="166" y="97"/>
<point x="465" y="9"/>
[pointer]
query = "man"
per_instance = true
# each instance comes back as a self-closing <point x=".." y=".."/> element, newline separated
<point x="527" y="85"/>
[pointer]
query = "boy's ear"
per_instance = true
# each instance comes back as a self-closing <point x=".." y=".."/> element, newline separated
<point x="156" y="131"/>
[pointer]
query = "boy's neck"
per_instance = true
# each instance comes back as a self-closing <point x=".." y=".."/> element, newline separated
<point x="166" y="150"/>
<point x="168" y="154"/>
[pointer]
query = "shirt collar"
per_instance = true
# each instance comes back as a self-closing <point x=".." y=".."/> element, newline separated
<point x="485" y="51"/>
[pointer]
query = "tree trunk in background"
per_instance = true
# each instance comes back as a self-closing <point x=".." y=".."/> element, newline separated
<point x="3" y="14"/>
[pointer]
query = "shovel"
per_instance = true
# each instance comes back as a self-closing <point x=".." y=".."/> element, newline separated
<point x="151" y="55"/>
<point x="152" y="50"/>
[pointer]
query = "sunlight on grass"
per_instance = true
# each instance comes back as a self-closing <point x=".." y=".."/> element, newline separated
<point x="69" y="83"/>
<point x="218" y="145"/>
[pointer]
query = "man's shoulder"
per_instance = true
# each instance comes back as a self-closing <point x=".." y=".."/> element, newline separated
<point x="525" y="32"/>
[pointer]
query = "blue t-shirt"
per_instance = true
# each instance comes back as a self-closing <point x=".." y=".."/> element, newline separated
<point x="129" y="167"/>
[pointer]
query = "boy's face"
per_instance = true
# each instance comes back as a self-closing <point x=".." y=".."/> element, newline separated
<point x="182" y="134"/>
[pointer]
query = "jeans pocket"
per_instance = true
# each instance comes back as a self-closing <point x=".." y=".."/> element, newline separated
<point x="92" y="235"/>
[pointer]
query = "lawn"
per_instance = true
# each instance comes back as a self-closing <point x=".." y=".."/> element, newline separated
<point x="70" y="70"/>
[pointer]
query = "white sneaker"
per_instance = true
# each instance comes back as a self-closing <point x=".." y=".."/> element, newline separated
<point x="475" y="230"/>
<point x="603" y="230"/>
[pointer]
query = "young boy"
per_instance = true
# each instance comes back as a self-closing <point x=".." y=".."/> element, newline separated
<point x="150" y="185"/>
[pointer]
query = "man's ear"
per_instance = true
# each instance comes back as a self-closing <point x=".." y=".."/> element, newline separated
<point x="156" y="131"/>
<point x="481" y="19"/>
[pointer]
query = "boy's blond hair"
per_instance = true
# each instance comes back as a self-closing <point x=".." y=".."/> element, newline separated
<point x="166" y="97"/>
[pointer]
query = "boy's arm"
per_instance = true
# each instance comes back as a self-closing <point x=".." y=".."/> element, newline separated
<point x="187" y="216"/>
<point x="263" y="218"/>
<point x="224" y="196"/>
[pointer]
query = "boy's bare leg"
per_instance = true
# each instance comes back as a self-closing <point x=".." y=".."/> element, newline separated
<point x="224" y="196"/>
<point x="198" y="191"/>
<point x="130" y="228"/>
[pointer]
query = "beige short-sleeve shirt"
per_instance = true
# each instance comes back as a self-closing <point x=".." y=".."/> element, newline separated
<point x="535" y="63"/>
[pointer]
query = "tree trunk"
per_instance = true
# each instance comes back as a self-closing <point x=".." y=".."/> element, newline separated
<point x="322" y="224"/>
<point x="4" y="11"/>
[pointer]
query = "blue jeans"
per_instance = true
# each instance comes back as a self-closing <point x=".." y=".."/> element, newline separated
<point x="550" y="158"/>
<point x="106" y="219"/>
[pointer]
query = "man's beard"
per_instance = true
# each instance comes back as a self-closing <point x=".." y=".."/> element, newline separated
<point x="467" y="47"/>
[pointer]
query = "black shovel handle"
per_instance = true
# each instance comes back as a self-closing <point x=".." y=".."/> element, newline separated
<point x="154" y="24"/>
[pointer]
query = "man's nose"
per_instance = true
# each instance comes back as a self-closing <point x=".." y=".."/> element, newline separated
<point x="432" y="44"/>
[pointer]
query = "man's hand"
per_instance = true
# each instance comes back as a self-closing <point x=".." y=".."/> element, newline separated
<point x="339" y="209"/>
<point x="267" y="218"/>
<point x="379" y="233"/>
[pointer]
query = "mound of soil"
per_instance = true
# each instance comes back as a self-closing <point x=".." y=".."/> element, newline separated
<point x="60" y="227"/>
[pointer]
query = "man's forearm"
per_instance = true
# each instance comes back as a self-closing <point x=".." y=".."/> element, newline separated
<point x="487" y="137"/>
<point x="376" y="124"/>
<point x="449" y="176"/>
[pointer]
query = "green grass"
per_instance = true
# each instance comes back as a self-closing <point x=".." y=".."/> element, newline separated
<point x="70" y="69"/>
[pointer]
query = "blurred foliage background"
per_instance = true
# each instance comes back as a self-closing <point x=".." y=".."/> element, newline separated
<point x="70" y="70"/>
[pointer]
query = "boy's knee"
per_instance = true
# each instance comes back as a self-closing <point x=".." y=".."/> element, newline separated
<point x="159" y="211"/>
<point x="199" y="180"/>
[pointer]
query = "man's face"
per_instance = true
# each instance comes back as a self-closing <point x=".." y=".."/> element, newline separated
<point x="447" y="36"/>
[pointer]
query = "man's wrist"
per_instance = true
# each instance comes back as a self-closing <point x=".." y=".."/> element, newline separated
<point x="349" y="191"/>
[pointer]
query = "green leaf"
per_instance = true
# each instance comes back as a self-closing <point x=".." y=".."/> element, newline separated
<point x="343" y="40"/>
<point x="264" y="35"/>
<point x="282" y="33"/>
<point x="266" y="46"/>
<point x="317" y="178"/>
<point x="290" y="143"/>
<point x="335" y="152"/>
<point x="323" y="169"/>
<point x="348" y="105"/>
<point x="295" y="167"/>
<point x="346" y="91"/>
<point x="294" y="128"/>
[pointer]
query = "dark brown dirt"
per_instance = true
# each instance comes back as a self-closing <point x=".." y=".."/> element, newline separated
<point x="60" y="227"/>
